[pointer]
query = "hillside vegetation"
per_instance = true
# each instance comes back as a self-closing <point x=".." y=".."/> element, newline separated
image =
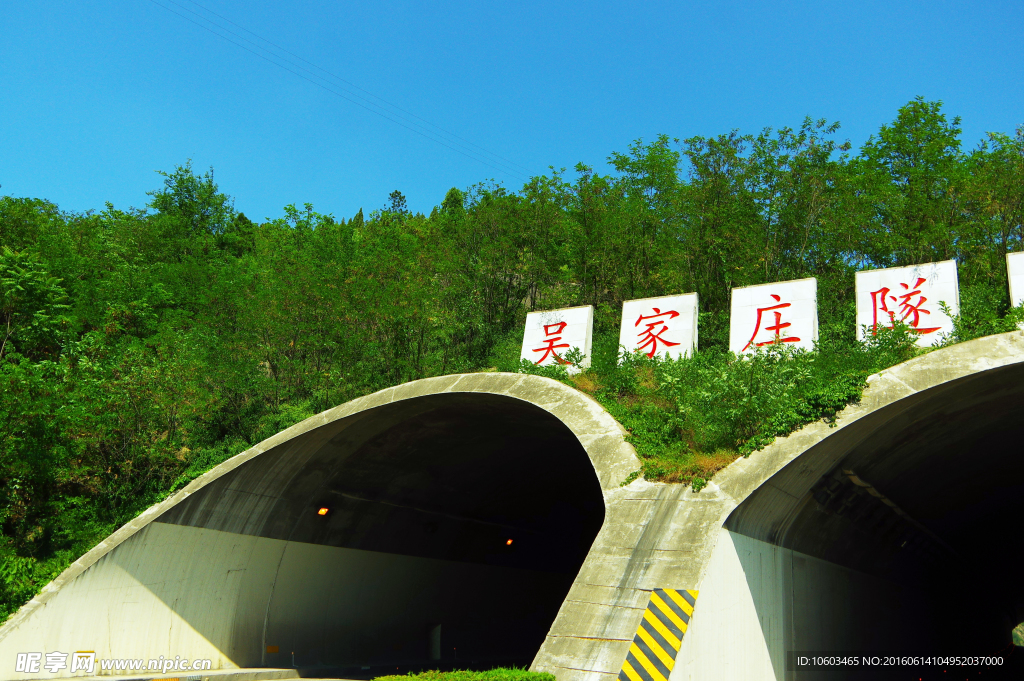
<point x="141" y="347"/>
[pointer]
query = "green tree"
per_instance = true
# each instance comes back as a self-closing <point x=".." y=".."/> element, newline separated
<point x="649" y="183"/>
<point x="997" y="192"/>
<point x="31" y="306"/>
<point x="397" y="204"/>
<point x="912" y="178"/>
<point x="718" y="209"/>
<point x="190" y="209"/>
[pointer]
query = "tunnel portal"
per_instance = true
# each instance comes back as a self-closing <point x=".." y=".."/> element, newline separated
<point x="898" y="534"/>
<point x="445" y="527"/>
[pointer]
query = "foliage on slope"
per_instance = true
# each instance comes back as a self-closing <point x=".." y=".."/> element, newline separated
<point x="140" y="347"/>
<point x="691" y="417"/>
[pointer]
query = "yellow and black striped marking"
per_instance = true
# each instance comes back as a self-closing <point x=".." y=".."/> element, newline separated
<point x="656" y="644"/>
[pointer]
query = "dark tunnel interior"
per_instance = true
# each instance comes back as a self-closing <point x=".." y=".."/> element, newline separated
<point x="457" y="523"/>
<point x="926" y="493"/>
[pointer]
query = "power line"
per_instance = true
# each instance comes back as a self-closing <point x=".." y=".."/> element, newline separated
<point x="384" y="113"/>
<point x="508" y="165"/>
<point x="354" y="86"/>
<point x="380" y="111"/>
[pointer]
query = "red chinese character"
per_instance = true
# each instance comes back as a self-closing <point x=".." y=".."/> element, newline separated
<point x="906" y="307"/>
<point x="549" y="349"/>
<point x="776" y="328"/>
<point x="649" y="336"/>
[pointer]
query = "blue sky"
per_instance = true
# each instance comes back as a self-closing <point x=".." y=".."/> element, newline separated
<point x="97" y="96"/>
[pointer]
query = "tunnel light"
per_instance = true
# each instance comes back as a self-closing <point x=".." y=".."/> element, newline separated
<point x="322" y="511"/>
<point x="508" y="543"/>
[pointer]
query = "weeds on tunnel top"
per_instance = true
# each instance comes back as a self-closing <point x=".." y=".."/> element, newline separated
<point x="688" y="418"/>
<point x="500" y="674"/>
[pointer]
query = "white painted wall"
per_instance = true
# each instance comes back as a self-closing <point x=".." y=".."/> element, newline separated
<point x="139" y="601"/>
<point x="757" y="601"/>
<point x="728" y="637"/>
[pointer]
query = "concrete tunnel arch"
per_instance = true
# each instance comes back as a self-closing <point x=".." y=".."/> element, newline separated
<point x="423" y="485"/>
<point x="896" y="531"/>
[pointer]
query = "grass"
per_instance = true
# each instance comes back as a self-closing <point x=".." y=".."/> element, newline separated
<point x="500" y="674"/>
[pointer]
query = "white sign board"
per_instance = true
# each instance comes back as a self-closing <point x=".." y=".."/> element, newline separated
<point x="665" y="326"/>
<point x="1015" y="273"/>
<point x="910" y="295"/>
<point x="550" y="335"/>
<point x="784" y="312"/>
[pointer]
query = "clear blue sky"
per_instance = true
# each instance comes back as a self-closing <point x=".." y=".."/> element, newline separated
<point x="95" y="96"/>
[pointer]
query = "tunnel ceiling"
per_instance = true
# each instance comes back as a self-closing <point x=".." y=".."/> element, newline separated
<point x="948" y="458"/>
<point x="451" y="476"/>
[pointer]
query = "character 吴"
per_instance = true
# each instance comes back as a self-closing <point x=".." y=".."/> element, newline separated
<point x="551" y="337"/>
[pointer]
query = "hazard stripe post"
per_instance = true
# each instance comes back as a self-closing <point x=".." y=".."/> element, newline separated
<point x="653" y="651"/>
